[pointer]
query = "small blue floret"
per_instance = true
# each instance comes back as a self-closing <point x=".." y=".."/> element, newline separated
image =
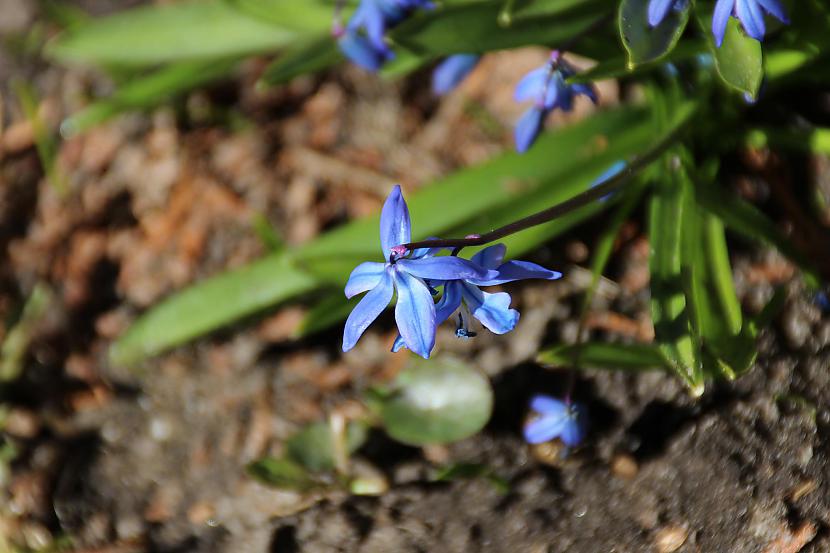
<point x="556" y="419"/>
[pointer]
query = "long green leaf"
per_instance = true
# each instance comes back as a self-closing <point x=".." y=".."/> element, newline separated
<point x="669" y="205"/>
<point x="210" y="304"/>
<point x="149" y="35"/>
<point x="607" y="356"/>
<point x="148" y="91"/>
<point x="474" y="27"/>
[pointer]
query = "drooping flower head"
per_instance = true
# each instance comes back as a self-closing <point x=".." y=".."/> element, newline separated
<point x="749" y="12"/>
<point x="450" y="72"/>
<point x="405" y="276"/>
<point x="362" y="40"/>
<point x="547" y="86"/>
<point x="492" y="310"/>
<point x="556" y="419"/>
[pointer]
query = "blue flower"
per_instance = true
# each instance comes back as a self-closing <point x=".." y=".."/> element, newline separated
<point x="556" y="419"/>
<point x="658" y="9"/>
<point x="363" y="40"/>
<point x="452" y="71"/>
<point x="491" y="309"/>
<point x="549" y="90"/>
<point x="615" y="169"/>
<point x="414" y="310"/>
<point x="749" y="12"/>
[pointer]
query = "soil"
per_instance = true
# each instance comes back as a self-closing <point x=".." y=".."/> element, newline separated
<point x="111" y="460"/>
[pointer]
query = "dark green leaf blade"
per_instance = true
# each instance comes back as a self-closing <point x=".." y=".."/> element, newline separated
<point x="607" y="356"/>
<point x="153" y="34"/>
<point x="668" y="207"/>
<point x="281" y="473"/>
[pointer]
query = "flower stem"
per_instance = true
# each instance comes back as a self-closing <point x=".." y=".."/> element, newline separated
<point x="561" y="209"/>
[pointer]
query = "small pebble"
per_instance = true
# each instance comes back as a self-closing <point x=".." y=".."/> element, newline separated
<point x="804" y="488"/>
<point x="22" y="423"/>
<point x="624" y="466"/>
<point x="670" y="538"/>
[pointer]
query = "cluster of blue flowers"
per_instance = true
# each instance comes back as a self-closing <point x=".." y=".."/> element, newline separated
<point x="749" y="12"/>
<point x="415" y="277"/>
<point x="364" y="39"/>
<point x="547" y="86"/>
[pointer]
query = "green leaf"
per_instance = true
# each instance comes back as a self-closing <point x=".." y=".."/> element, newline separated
<point x="327" y="312"/>
<point x="474" y="27"/>
<point x="739" y="61"/>
<point x="437" y="401"/>
<point x="306" y="57"/>
<point x="607" y="356"/>
<point x="148" y="91"/>
<point x="313" y="446"/>
<point x="306" y="15"/>
<point x="184" y="31"/>
<point x="19" y="335"/>
<point x="645" y="43"/>
<point x="728" y="346"/>
<point x="210" y="304"/>
<point x="668" y="207"/>
<point x="281" y="473"/>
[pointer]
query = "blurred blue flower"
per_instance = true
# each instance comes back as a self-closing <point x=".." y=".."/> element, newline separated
<point x="658" y="9"/>
<point x="452" y="71"/>
<point x="556" y="419"/>
<point x="548" y="89"/>
<point x="414" y="310"/>
<point x="363" y="39"/>
<point x="749" y="12"/>
<point x="491" y="309"/>
<point x="615" y="169"/>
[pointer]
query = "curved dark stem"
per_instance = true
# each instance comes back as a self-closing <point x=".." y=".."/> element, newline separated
<point x="558" y="210"/>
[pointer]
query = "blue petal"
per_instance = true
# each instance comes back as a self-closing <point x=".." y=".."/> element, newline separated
<point x="612" y="171"/>
<point x="528" y="128"/>
<point x="751" y="17"/>
<point x="364" y="277"/>
<point x="720" y="18"/>
<point x="775" y="8"/>
<point x="360" y="51"/>
<point x="493" y="310"/>
<point x="490" y="257"/>
<point x="586" y="89"/>
<point x="394" y="222"/>
<point x="518" y="270"/>
<point x="544" y="429"/>
<point x="398" y="345"/>
<point x="575" y="428"/>
<point x="366" y="311"/>
<point x="452" y="71"/>
<point x="415" y="314"/>
<point x="448" y="267"/>
<point x="532" y="85"/>
<point x="449" y="302"/>
<point x="657" y="10"/>
<point x="557" y="92"/>
<point x="546" y="405"/>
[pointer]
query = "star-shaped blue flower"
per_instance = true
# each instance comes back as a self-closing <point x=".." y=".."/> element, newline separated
<point x="548" y="89"/>
<point x="556" y="419"/>
<point x="450" y="72"/>
<point x="405" y="276"/>
<point x="749" y="12"/>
